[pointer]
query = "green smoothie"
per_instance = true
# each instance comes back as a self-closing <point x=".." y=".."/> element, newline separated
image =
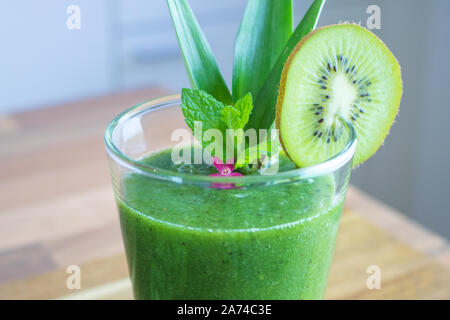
<point x="262" y="242"/>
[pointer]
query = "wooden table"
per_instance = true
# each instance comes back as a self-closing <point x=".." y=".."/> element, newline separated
<point x="57" y="209"/>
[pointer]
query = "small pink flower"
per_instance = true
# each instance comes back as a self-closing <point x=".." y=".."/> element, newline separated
<point x="225" y="170"/>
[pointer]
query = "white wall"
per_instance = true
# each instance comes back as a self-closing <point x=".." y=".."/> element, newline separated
<point x="42" y="62"/>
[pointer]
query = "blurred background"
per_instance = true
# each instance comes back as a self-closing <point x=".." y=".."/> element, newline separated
<point x="129" y="44"/>
<point x="62" y="82"/>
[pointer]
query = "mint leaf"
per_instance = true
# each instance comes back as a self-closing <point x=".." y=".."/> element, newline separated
<point x="245" y="107"/>
<point x="198" y="105"/>
<point x="231" y="117"/>
<point x="236" y="117"/>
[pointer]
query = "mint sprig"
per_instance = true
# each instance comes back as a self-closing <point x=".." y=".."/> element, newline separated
<point x="200" y="107"/>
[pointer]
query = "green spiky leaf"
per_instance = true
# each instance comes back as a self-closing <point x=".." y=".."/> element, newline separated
<point x="265" y="102"/>
<point x="265" y="28"/>
<point x="200" y="63"/>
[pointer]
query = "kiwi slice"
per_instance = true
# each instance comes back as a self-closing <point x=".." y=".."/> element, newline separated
<point x="335" y="72"/>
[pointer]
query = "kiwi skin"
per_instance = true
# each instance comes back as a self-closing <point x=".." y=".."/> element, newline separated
<point x="285" y="72"/>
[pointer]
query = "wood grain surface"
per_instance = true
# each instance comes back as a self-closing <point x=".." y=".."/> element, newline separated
<point x="57" y="209"/>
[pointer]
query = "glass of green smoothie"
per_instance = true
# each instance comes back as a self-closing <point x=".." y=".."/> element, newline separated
<point x="187" y="236"/>
<point x="210" y="206"/>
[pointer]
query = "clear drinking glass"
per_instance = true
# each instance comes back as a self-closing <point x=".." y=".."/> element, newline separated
<point x="269" y="237"/>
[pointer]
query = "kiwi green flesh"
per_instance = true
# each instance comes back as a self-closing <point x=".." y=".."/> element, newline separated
<point x="337" y="70"/>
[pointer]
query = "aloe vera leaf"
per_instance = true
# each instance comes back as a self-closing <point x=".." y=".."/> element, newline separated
<point x="264" y="31"/>
<point x="201" y="65"/>
<point x="263" y="113"/>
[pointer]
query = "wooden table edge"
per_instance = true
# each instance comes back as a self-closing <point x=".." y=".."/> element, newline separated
<point x="399" y="226"/>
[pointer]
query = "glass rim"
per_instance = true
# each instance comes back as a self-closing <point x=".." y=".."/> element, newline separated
<point x="330" y="165"/>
